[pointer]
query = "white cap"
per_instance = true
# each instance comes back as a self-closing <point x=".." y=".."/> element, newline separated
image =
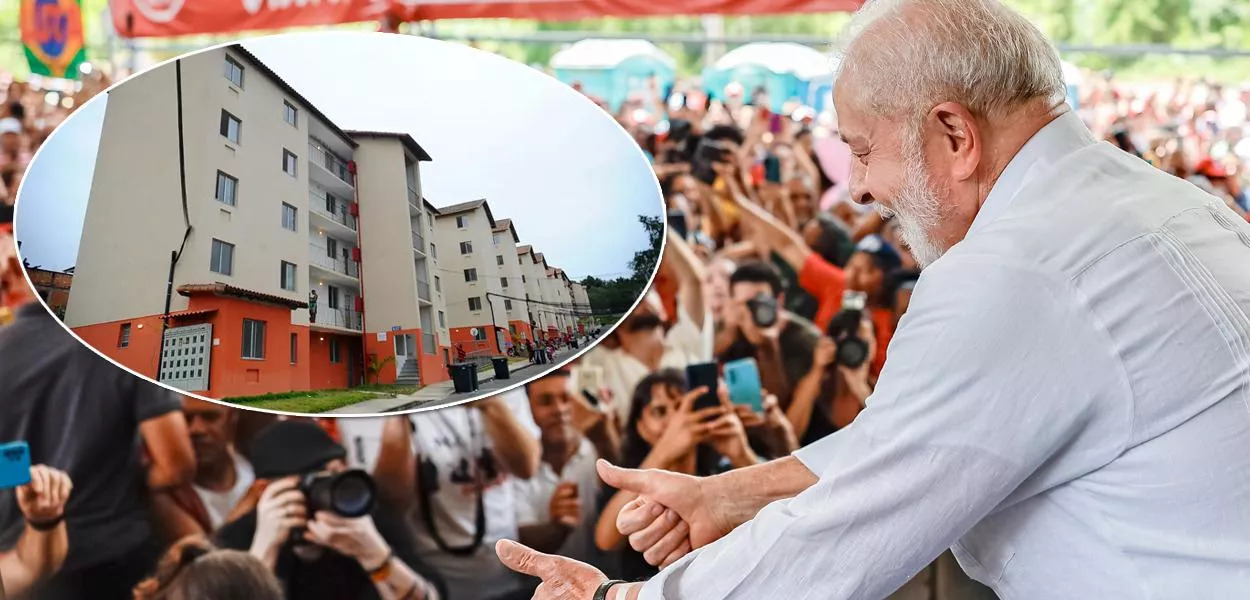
<point x="10" y="125"/>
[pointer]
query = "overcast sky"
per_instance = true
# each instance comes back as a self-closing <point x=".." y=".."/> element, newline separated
<point x="570" y="179"/>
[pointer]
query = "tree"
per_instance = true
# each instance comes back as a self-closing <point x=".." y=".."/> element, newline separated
<point x="644" y="261"/>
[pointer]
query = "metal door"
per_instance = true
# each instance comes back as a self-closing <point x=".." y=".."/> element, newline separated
<point x="185" y="357"/>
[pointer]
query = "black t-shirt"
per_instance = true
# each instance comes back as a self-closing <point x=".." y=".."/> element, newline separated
<point x="333" y="575"/>
<point x="81" y="414"/>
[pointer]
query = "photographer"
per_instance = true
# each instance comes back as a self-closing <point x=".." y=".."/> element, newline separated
<point x="43" y="544"/>
<point x="780" y="342"/>
<point x="314" y="549"/>
<point x="831" y="394"/>
<point x="450" y="471"/>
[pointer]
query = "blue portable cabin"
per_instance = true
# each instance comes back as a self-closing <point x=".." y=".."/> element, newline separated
<point x="787" y="71"/>
<point x="613" y="69"/>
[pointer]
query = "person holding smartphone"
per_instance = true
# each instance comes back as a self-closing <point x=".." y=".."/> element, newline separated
<point x="665" y="431"/>
<point x="40" y="550"/>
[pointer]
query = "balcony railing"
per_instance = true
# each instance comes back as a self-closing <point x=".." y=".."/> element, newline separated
<point x="427" y="342"/>
<point x="318" y="257"/>
<point x="418" y="242"/>
<point x="332" y="163"/>
<point x="339" y="215"/>
<point x="340" y="317"/>
<point x="423" y="290"/>
<point x="413" y="199"/>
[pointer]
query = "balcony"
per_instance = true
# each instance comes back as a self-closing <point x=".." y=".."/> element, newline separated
<point x="340" y="317"/>
<point x="318" y="257"/>
<point x="324" y="218"/>
<point x="428" y="343"/>
<point x="423" y="290"/>
<point x="418" y="242"/>
<point x="413" y="199"/>
<point x="319" y="156"/>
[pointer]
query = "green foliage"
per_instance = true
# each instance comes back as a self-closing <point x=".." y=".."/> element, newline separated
<point x="375" y="365"/>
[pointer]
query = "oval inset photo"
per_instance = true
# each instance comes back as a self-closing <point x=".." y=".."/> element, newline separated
<point x="346" y="223"/>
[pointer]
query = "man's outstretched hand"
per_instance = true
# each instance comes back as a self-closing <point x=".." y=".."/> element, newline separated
<point x="671" y="515"/>
<point x="563" y="578"/>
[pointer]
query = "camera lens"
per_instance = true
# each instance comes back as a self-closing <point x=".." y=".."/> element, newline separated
<point x="348" y="494"/>
<point x="852" y="352"/>
<point x="352" y="494"/>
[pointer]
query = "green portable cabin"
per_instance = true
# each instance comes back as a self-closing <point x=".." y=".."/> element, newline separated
<point x="614" y="69"/>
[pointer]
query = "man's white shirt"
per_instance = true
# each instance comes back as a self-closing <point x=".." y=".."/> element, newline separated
<point x="1066" y="404"/>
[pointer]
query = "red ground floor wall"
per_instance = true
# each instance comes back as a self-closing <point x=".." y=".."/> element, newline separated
<point x="231" y="375"/>
<point x="430" y="366"/>
<point x="523" y="331"/>
<point x="463" y="337"/>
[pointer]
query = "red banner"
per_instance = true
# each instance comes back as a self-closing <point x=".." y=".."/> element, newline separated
<point x="161" y="18"/>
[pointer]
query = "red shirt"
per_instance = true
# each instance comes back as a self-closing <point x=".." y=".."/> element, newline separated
<point x="826" y="282"/>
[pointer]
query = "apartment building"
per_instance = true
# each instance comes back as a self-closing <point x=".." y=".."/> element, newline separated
<point x="533" y="273"/>
<point x="513" y="281"/>
<point x="406" y="306"/>
<point x="473" y="278"/>
<point x="581" y="303"/>
<point x="272" y="222"/>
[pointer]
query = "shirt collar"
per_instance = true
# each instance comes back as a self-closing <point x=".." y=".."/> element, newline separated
<point x="1059" y="138"/>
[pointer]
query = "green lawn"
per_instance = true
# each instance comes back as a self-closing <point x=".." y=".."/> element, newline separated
<point x="318" y="401"/>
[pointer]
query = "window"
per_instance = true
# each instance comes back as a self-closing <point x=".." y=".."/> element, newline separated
<point x="499" y="259"/>
<point x="222" y="260"/>
<point x="227" y="188"/>
<point x="288" y="162"/>
<point x="233" y="71"/>
<point x="442" y="321"/>
<point x="522" y="279"/>
<point x="470" y="274"/>
<point x="288" y="216"/>
<point x="438" y="286"/>
<point x="123" y="336"/>
<point x="334" y="350"/>
<point x="507" y="304"/>
<point x="466" y="247"/>
<point x="433" y="250"/>
<point x="288" y="276"/>
<point x="231" y="126"/>
<point x="480" y="334"/>
<point x="333" y="300"/>
<point x="289" y="113"/>
<point x="332" y="247"/>
<point x="475" y="303"/>
<point x="461" y="221"/>
<point x="253" y="339"/>
<point x="294" y="345"/>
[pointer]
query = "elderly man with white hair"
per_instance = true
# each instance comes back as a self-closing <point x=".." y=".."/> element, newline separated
<point x="1067" y="401"/>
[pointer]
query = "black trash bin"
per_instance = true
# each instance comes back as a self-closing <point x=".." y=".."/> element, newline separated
<point x="462" y="377"/>
<point x="501" y="367"/>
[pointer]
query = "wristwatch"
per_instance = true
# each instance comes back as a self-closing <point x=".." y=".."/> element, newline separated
<point x="602" y="592"/>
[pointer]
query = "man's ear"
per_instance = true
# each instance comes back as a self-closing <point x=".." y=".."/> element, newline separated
<point x="960" y="137"/>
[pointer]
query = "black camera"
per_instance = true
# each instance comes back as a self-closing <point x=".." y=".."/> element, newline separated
<point x="763" y="310"/>
<point x="844" y="329"/>
<point x="349" y="494"/>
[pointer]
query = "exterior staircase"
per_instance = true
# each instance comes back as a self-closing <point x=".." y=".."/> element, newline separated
<point x="408" y="373"/>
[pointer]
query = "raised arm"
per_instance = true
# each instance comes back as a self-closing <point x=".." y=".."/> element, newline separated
<point x="395" y="469"/>
<point x="517" y="449"/>
<point x="773" y="234"/>
<point x="44" y="542"/>
<point x="690" y="273"/>
<point x="172" y="460"/>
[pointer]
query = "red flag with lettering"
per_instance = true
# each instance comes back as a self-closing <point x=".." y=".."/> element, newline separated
<point x="160" y="18"/>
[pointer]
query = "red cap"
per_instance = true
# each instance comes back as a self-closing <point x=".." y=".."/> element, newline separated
<point x="1208" y="168"/>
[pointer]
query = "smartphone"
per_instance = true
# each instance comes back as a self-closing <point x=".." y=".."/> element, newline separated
<point x="677" y="222"/>
<point x="772" y="169"/>
<point x="14" y="465"/>
<point x="703" y="375"/>
<point x="742" y="378"/>
<point x="774" y="124"/>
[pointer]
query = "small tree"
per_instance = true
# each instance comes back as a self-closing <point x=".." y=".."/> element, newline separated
<point x="376" y="365"/>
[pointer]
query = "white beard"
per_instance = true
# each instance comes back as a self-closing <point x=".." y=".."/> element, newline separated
<point x="916" y="204"/>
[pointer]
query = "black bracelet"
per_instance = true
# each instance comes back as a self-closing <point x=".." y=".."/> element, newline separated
<point x="48" y="525"/>
<point x="602" y="592"/>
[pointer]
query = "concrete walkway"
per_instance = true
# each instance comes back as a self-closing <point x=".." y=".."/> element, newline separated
<point x="443" y="392"/>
